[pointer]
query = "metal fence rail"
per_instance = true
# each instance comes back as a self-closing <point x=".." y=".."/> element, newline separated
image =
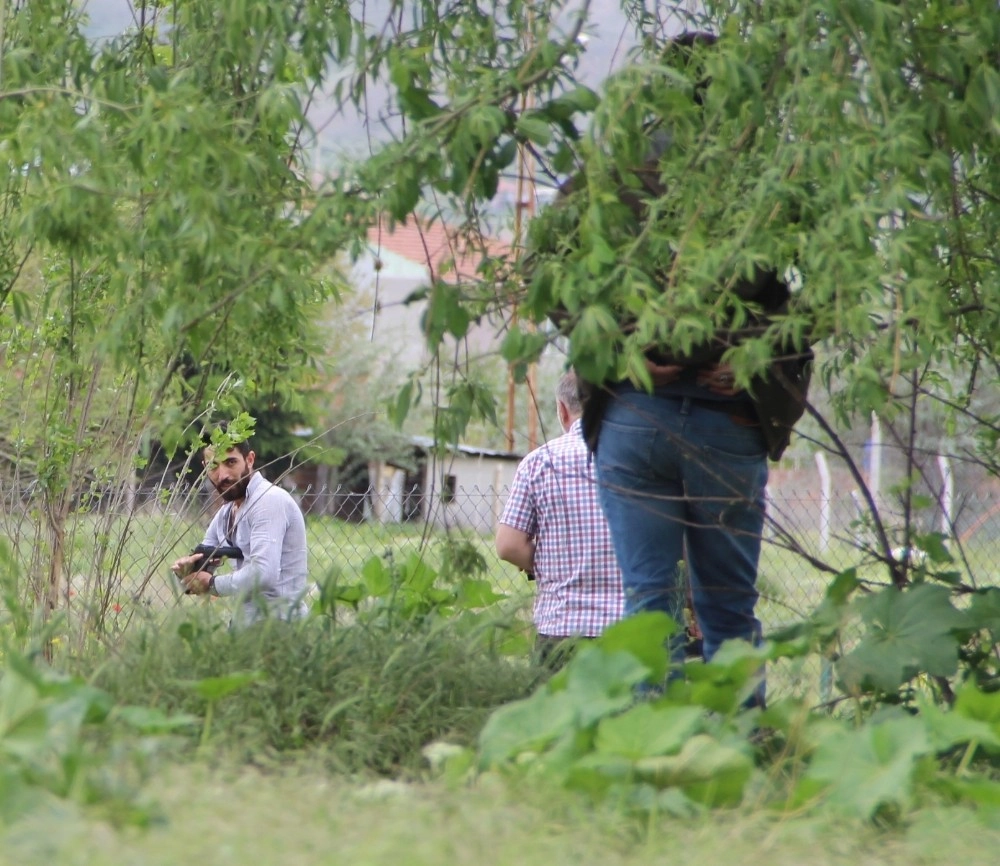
<point x="107" y="563"/>
<point x="116" y="550"/>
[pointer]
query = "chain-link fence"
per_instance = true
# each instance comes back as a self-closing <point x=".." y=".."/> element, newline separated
<point x="109" y="556"/>
<point x="120" y="547"/>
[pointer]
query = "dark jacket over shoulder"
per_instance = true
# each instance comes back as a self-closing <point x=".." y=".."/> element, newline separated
<point x="778" y="396"/>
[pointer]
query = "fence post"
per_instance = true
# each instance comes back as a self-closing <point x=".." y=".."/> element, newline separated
<point x="497" y="504"/>
<point x="875" y="462"/>
<point x="825" y="665"/>
<point x="947" y="494"/>
<point x="824" y="502"/>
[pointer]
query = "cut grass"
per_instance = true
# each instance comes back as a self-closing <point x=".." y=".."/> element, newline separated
<point x="301" y="816"/>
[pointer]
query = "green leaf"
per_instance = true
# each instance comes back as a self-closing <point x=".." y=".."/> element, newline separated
<point x="526" y="726"/>
<point x="984" y="609"/>
<point x="401" y="407"/>
<point x="149" y="720"/>
<point x="947" y="729"/>
<point x="647" y="730"/>
<point x="863" y="770"/>
<point x="417" y="574"/>
<point x="580" y="98"/>
<point x="979" y="792"/>
<point x="214" y="688"/>
<point x="601" y="682"/>
<point x="971" y="703"/>
<point x="908" y="632"/>
<point x="933" y="544"/>
<point x="418" y="104"/>
<point x="534" y="128"/>
<point x="644" y="636"/>
<point x="730" y="678"/>
<point x="477" y="593"/>
<point x="705" y="770"/>
<point x="377" y="577"/>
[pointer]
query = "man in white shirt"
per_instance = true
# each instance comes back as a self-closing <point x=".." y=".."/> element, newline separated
<point x="265" y="523"/>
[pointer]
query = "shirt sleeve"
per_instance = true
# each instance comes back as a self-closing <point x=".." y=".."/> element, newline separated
<point x="521" y="511"/>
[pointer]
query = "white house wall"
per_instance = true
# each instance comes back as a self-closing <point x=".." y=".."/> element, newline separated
<point x="481" y="485"/>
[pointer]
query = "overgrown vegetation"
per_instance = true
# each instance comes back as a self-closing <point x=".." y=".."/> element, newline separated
<point x="362" y="700"/>
<point x="162" y="251"/>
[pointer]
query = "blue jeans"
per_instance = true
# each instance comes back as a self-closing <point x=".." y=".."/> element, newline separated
<point x="679" y="481"/>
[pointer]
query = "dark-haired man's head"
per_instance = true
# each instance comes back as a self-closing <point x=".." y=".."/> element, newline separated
<point x="230" y="472"/>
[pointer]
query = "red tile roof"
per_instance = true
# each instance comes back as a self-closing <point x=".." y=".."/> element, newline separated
<point x="435" y="245"/>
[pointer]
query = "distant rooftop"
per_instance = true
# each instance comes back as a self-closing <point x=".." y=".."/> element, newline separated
<point x="433" y="245"/>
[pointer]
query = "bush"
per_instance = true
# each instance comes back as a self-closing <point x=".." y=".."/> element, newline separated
<point x="368" y="699"/>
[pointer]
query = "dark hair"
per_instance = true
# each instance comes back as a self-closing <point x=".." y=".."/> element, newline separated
<point x="242" y="446"/>
<point x="680" y="48"/>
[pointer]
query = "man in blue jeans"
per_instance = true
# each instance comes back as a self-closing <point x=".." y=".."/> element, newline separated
<point x="681" y="468"/>
<point x="682" y="475"/>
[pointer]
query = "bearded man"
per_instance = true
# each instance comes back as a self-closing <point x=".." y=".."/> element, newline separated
<point x="265" y="523"/>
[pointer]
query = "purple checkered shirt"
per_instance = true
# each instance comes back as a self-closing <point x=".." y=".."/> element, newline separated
<point x="554" y="500"/>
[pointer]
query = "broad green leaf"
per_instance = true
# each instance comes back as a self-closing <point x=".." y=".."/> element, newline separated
<point x="971" y="703"/>
<point x="534" y="128"/>
<point x="979" y="792"/>
<point x="417" y="574"/>
<point x="214" y="688"/>
<point x="952" y="728"/>
<point x="644" y="636"/>
<point x="907" y="632"/>
<point x="377" y="577"/>
<point x="600" y="683"/>
<point x="933" y="544"/>
<point x="984" y="609"/>
<point x="477" y="593"/>
<point x="526" y="726"/>
<point x="150" y="720"/>
<point x="647" y="730"/>
<point x="862" y="770"/>
<point x="596" y="772"/>
<point x="706" y="770"/>
<point x="19" y="698"/>
<point x="729" y="679"/>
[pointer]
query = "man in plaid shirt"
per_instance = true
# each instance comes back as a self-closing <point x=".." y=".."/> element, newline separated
<point x="553" y="528"/>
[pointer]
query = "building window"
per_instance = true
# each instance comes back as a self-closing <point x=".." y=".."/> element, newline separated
<point x="448" y="488"/>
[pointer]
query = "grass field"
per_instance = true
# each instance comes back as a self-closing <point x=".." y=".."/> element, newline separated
<point x="298" y="817"/>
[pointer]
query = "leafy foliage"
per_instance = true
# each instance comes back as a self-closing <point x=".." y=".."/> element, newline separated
<point x="360" y="699"/>
<point x="162" y="248"/>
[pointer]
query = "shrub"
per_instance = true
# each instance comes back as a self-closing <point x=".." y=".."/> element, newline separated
<point x="369" y="699"/>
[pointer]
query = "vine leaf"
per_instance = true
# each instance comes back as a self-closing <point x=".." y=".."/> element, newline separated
<point x="646" y="731"/>
<point x="707" y="771"/>
<point x="863" y="770"/>
<point x="908" y="632"/>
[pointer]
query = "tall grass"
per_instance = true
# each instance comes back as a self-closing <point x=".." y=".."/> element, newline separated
<point x="363" y="699"/>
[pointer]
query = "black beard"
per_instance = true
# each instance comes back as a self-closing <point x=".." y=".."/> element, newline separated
<point x="236" y="490"/>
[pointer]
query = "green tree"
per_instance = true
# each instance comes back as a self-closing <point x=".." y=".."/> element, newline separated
<point x="161" y="244"/>
<point x="850" y="147"/>
<point x="162" y="247"/>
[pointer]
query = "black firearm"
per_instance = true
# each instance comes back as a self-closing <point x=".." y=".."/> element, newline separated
<point x="209" y="552"/>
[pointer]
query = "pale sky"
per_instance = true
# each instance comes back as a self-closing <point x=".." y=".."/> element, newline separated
<point x="609" y="36"/>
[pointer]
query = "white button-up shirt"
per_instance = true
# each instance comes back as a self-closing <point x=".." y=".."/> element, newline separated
<point x="270" y="530"/>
